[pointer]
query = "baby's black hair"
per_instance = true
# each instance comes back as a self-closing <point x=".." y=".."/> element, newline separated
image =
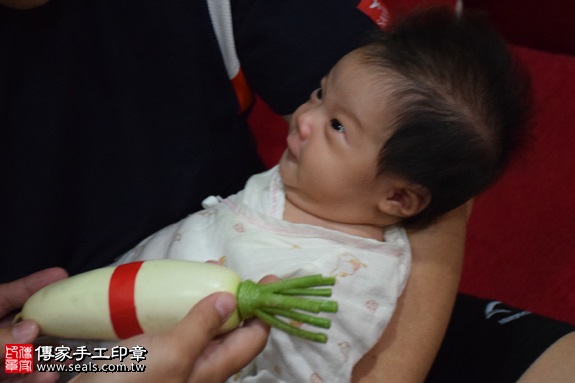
<point x="460" y="101"/>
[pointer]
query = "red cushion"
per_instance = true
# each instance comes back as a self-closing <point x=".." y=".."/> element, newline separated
<point x="521" y="240"/>
<point x="270" y="131"/>
<point x="541" y="25"/>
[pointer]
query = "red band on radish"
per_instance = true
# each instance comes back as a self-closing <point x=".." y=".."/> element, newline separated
<point x="121" y="297"/>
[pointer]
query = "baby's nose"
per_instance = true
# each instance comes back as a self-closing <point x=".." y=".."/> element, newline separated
<point x="304" y="125"/>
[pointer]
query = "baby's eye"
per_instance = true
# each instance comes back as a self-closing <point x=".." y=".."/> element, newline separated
<point x="337" y="126"/>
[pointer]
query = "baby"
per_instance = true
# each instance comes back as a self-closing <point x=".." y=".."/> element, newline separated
<point x="403" y="129"/>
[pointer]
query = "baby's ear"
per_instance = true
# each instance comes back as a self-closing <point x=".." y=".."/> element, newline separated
<point x="405" y="199"/>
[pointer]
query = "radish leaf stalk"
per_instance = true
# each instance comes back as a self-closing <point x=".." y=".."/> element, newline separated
<point x="283" y="298"/>
<point x="300" y="317"/>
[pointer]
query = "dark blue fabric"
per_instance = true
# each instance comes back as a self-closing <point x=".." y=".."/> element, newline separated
<point x="117" y="117"/>
<point x="488" y="341"/>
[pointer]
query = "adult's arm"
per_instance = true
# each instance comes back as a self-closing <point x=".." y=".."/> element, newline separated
<point x="409" y="345"/>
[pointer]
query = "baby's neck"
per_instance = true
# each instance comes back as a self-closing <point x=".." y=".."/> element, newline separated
<point x="296" y="215"/>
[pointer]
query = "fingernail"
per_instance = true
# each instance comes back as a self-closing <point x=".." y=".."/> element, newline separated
<point x="24" y="332"/>
<point x="225" y="305"/>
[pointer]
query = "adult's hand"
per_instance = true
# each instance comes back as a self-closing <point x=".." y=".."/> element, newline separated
<point x="192" y="352"/>
<point x="12" y="297"/>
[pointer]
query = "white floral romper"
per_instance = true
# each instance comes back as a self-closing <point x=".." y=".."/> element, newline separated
<point x="246" y="233"/>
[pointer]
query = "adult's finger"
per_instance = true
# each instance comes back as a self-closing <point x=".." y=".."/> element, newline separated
<point x="14" y="294"/>
<point x="243" y="345"/>
<point x="201" y="324"/>
<point x="23" y="332"/>
<point x="229" y="354"/>
<point x="269" y="279"/>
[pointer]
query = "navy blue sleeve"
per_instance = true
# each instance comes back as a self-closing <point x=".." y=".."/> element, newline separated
<point x="286" y="47"/>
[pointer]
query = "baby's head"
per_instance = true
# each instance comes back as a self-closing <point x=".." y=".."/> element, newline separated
<point x="460" y="105"/>
<point x="429" y="112"/>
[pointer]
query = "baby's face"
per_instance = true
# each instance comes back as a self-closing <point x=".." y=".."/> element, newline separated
<point x="330" y="166"/>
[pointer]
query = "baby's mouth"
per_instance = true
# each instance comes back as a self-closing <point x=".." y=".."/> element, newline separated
<point x="290" y="156"/>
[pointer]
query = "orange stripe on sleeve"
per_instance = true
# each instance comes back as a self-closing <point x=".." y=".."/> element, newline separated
<point x="243" y="91"/>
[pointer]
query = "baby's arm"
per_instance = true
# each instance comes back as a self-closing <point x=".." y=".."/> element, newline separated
<point x="408" y="346"/>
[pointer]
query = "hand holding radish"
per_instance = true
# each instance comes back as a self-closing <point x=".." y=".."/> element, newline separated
<point x="12" y="297"/>
<point x="153" y="296"/>
<point x="198" y="358"/>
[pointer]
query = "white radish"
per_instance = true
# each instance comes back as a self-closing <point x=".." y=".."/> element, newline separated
<point x="152" y="296"/>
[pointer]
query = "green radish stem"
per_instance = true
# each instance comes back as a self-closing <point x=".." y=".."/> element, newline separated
<point x="300" y="317"/>
<point x="282" y="298"/>
<point x="292" y="330"/>
<point x="308" y="292"/>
